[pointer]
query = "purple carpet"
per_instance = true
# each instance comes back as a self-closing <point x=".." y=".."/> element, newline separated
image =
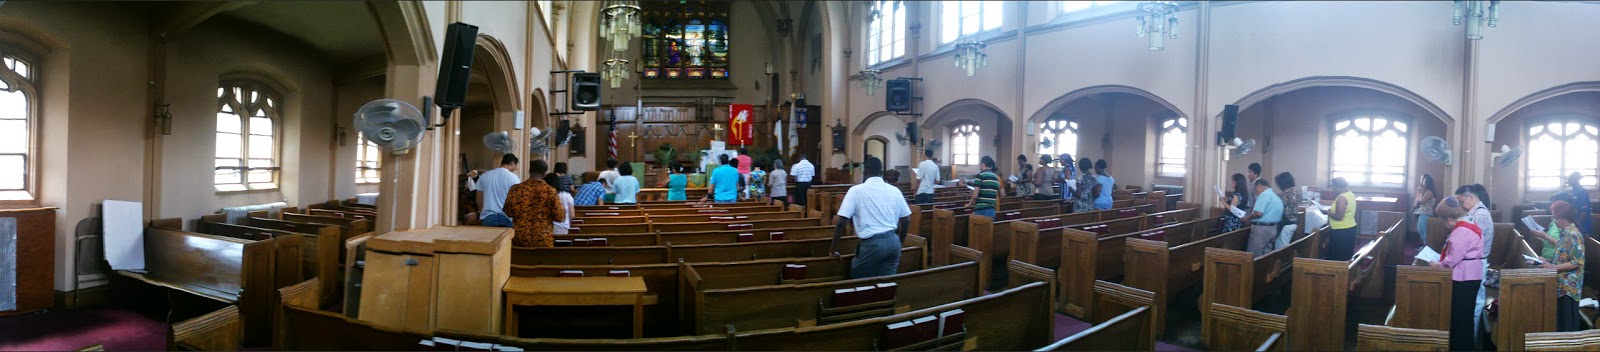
<point x="1067" y="326"/>
<point x="117" y="330"/>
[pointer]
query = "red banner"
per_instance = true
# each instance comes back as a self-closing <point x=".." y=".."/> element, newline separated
<point x="741" y="124"/>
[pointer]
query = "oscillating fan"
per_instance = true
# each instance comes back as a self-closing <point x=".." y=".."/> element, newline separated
<point x="1243" y="148"/>
<point x="500" y="142"/>
<point x="393" y="125"/>
<point x="1507" y="156"/>
<point x="538" y="144"/>
<point x="1046" y="143"/>
<point x="934" y="145"/>
<point x="1438" y="150"/>
<point x="901" y="137"/>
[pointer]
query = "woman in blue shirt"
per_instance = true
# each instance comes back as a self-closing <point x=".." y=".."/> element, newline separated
<point x="1580" y="203"/>
<point x="1107" y="185"/>
<point x="676" y="182"/>
<point x="627" y="186"/>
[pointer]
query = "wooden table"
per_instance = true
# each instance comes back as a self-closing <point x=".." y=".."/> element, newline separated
<point x="575" y="291"/>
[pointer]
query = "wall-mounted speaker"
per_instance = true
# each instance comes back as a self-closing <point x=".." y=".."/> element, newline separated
<point x="1488" y="136"/>
<point x="456" y="66"/>
<point x="563" y="130"/>
<point x="1230" y="118"/>
<point x="911" y="130"/>
<point x="898" y="95"/>
<point x="517" y="122"/>
<point x="585" y="91"/>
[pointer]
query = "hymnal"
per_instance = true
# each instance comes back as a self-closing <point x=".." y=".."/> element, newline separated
<point x="597" y="242"/>
<point x="619" y="273"/>
<point x="1158" y="235"/>
<point x="1531" y="224"/>
<point x="563" y="243"/>
<point x="721" y="218"/>
<point x="741" y="217"/>
<point x="476" y="346"/>
<point x="570" y="273"/>
<point x="794" y="271"/>
<point x="581" y="242"/>
<point x="741" y="226"/>
<point x="573" y="231"/>
<point x="1048" y="223"/>
<point x="951" y="322"/>
<point x="867" y="294"/>
<point x="927" y="328"/>
<point x="775" y="236"/>
<point x="885" y="292"/>
<point x="747" y="237"/>
<point x="1428" y="255"/>
<point x="506" y="348"/>
<point x="898" y="335"/>
<point x="444" y="344"/>
<point x="844" y="297"/>
<point x="577" y="221"/>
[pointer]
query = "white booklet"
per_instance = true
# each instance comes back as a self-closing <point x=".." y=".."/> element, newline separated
<point x="1532" y="260"/>
<point x="1428" y="255"/>
<point x="1532" y="225"/>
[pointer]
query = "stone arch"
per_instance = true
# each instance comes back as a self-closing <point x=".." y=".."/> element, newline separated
<point x="860" y="129"/>
<point x="405" y="30"/>
<point x="269" y="76"/>
<point x="1530" y="99"/>
<point x="1060" y="102"/>
<point x="501" y="73"/>
<point x="941" y="113"/>
<point x="1343" y="81"/>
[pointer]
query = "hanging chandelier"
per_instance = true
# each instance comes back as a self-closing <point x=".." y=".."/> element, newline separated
<point x="1159" y="22"/>
<point x="870" y="81"/>
<point x="970" y="57"/>
<point x="619" y="23"/>
<point x="616" y="70"/>
<point x="1475" y="14"/>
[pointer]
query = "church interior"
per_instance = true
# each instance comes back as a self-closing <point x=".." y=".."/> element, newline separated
<point x="1078" y="175"/>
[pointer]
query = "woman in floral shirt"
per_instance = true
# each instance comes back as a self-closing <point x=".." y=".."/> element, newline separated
<point x="1568" y="266"/>
<point x="1088" y="187"/>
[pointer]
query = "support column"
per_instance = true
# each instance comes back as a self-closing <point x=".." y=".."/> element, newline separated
<point x="1205" y="159"/>
<point x="1473" y="166"/>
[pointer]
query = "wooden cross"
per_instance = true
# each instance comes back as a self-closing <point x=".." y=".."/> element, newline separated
<point x="633" y="139"/>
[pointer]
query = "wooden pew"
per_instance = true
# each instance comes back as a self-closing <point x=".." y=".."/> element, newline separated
<point x="1086" y="257"/>
<point x="779" y="306"/>
<point x="1015" y="319"/>
<point x="1387" y="338"/>
<point x="952" y="228"/>
<point x="216" y="331"/>
<point x="1231" y="328"/>
<point x="1527" y="305"/>
<point x="704" y="237"/>
<point x="1237" y="279"/>
<point x="720" y="252"/>
<point x="1123" y="321"/>
<point x="1422" y="298"/>
<point x="673" y="219"/>
<point x="1586" y="340"/>
<point x="291" y="263"/>
<point x="224" y="269"/>
<point x="1322" y="288"/>
<point x="585" y="214"/>
<point x="922" y="216"/>
<point x="999" y="236"/>
<point x="1166" y="268"/>
<point x="351" y="227"/>
<point x="695" y="226"/>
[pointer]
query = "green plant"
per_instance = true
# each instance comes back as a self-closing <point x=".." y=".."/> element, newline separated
<point x="665" y="154"/>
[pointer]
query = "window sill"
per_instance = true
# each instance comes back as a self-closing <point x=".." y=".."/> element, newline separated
<point x="247" y="191"/>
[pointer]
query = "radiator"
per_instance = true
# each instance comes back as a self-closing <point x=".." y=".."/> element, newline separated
<point x="236" y="215"/>
<point x="8" y="264"/>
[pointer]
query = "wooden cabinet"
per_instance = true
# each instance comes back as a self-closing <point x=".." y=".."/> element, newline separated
<point x="33" y="265"/>
<point x="446" y="277"/>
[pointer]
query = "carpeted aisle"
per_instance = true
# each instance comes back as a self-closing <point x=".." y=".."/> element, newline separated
<point x="117" y="330"/>
<point x="1067" y="326"/>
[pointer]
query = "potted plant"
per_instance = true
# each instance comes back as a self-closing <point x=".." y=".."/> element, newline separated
<point x="665" y="154"/>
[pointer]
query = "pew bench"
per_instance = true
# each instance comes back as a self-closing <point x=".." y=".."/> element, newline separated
<point x="222" y="269"/>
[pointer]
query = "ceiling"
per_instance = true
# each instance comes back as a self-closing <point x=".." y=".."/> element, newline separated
<point x="345" y="30"/>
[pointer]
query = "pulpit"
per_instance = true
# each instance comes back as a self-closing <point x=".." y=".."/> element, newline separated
<point x="441" y="278"/>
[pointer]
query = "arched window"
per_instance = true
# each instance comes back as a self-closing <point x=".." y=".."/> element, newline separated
<point x="964" y="18"/>
<point x="1172" y="157"/>
<point x="1063" y="137"/>
<point x="366" y="161"/>
<point x="17" y="116"/>
<point x="886" y="31"/>
<point x="247" y="146"/>
<point x="1558" y="147"/>
<point x="964" y="145"/>
<point x="1370" y="150"/>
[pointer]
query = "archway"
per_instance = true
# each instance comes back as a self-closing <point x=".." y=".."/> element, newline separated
<point x="1142" y="136"/>
<point x="1556" y="128"/>
<point x="491" y="106"/>
<point x="992" y="125"/>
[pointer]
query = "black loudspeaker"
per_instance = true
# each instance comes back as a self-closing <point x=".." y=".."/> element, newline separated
<point x="585" y="91"/>
<point x="911" y="131"/>
<point x="897" y="97"/>
<point x="562" y="130"/>
<point x="1230" y="117"/>
<point x="454" y="70"/>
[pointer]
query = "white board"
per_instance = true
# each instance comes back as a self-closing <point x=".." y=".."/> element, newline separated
<point x="123" y="223"/>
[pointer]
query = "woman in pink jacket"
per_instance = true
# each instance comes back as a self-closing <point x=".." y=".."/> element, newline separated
<point x="1463" y="254"/>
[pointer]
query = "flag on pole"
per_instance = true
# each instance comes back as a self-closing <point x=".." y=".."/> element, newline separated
<point x="612" y="147"/>
<point x="777" y="131"/>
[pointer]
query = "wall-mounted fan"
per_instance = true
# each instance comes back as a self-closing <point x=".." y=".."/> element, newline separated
<point x="934" y="145"/>
<point x="902" y="138"/>
<point x="1438" y="150"/>
<point x="1242" y="148"/>
<point x="500" y="142"/>
<point x="1507" y="156"/>
<point x="539" y="142"/>
<point x="393" y="125"/>
<point x="1045" y="143"/>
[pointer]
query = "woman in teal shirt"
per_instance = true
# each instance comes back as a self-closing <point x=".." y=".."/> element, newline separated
<point x="676" y="182"/>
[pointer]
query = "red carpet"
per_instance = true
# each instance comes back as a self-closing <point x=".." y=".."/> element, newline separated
<point x="117" y="330"/>
<point x="1066" y="326"/>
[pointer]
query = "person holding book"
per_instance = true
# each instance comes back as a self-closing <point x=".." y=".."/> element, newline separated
<point x="879" y="213"/>
<point x="1569" y="267"/>
<point x="1463" y="254"/>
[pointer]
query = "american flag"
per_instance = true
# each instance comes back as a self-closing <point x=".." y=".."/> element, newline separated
<point x="612" y="147"/>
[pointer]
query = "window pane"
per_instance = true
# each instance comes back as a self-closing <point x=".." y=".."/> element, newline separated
<point x="22" y="69"/>
<point x="1070" y="5"/>
<point x="229" y="123"/>
<point x="992" y="12"/>
<point x="261" y="126"/>
<point x="13" y="172"/>
<point x="260" y="175"/>
<point x="229" y="145"/>
<point x="261" y="147"/>
<point x="13" y="136"/>
<point x="950" y="27"/>
<point x="13" y="105"/>
<point x="224" y="176"/>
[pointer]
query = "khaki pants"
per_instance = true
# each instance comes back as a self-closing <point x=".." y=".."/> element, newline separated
<point x="1261" y="239"/>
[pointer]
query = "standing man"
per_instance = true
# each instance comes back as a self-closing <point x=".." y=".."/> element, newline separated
<point x="879" y="213"/>
<point x="534" y="206"/>
<point x="1251" y="174"/>
<point x="724" y="181"/>
<point x="492" y="188"/>
<point x="927" y="176"/>
<point x="802" y="172"/>
<point x="1264" y="219"/>
<point x="610" y="175"/>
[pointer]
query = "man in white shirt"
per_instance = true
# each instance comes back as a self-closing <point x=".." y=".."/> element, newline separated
<point x="927" y="176"/>
<point x="610" y="175"/>
<point x="879" y="213"/>
<point x="492" y="188"/>
<point x="802" y="172"/>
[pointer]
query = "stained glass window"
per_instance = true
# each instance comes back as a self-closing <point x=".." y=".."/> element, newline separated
<point x="1063" y="137"/>
<point x="1558" y="147"/>
<point x="964" y="145"/>
<point x="247" y="153"/>
<point x="1172" y="159"/>
<point x="685" y="39"/>
<point x="1370" y="150"/>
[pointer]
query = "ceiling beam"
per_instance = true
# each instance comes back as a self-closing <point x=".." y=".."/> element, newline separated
<point x="183" y="15"/>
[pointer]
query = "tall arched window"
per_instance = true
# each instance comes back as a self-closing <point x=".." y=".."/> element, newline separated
<point x="366" y="161"/>
<point x="1558" y="147"/>
<point x="964" y="18"/>
<point x="964" y="145"/>
<point x="1370" y="150"/>
<point x="886" y="31"/>
<point x="17" y="114"/>
<point x="1172" y="156"/>
<point x="1063" y="137"/>
<point x="247" y="147"/>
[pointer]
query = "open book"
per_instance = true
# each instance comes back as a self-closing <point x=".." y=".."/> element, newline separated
<point x="1428" y="255"/>
<point x="1532" y="225"/>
